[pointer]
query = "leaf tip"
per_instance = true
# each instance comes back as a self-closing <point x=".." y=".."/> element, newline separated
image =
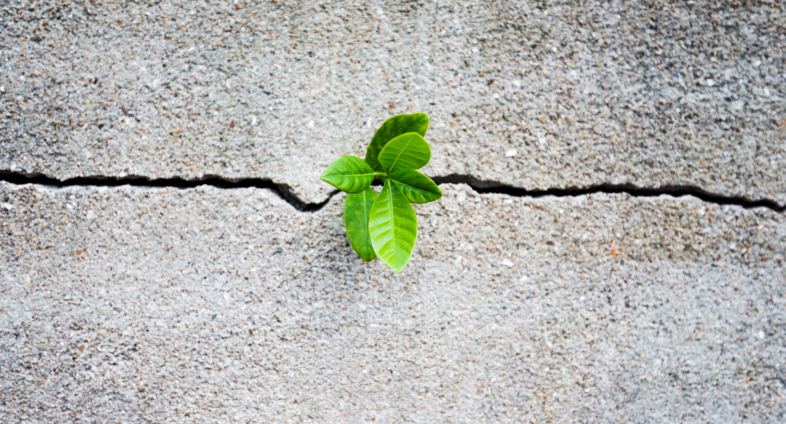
<point x="399" y="267"/>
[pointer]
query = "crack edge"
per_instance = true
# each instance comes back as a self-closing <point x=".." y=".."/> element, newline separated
<point x="286" y="193"/>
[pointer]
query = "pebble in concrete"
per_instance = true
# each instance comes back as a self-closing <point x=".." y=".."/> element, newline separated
<point x="158" y="305"/>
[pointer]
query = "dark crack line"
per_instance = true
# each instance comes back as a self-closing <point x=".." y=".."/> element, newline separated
<point x="285" y="192"/>
<point x="631" y="189"/>
<point x="282" y="190"/>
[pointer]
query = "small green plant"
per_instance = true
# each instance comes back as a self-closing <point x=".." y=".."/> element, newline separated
<point x="385" y="225"/>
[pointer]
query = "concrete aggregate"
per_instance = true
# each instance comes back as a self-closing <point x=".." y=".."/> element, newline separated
<point x="536" y="95"/>
<point x="206" y="305"/>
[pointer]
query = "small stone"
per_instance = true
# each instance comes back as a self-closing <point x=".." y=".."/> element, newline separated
<point x="507" y="263"/>
<point x="510" y="153"/>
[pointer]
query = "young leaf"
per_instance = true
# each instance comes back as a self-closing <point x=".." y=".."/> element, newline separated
<point x="392" y="128"/>
<point x="357" y="211"/>
<point x="393" y="227"/>
<point x="407" y="151"/>
<point x="349" y="173"/>
<point x="417" y="187"/>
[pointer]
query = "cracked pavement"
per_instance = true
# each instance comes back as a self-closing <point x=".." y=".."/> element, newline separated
<point x="153" y="305"/>
<point x="226" y="304"/>
<point x="532" y="95"/>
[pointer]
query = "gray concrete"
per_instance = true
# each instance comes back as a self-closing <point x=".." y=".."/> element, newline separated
<point x="207" y="305"/>
<point x="646" y="93"/>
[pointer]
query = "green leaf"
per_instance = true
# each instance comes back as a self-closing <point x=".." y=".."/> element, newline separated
<point x="417" y="188"/>
<point x="392" y="128"/>
<point x="407" y="151"/>
<point x="349" y="173"/>
<point x="393" y="227"/>
<point x="357" y="211"/>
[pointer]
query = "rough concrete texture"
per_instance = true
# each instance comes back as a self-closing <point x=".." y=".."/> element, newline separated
<point x="537" y="95"/>
<point x="208" y="305"/>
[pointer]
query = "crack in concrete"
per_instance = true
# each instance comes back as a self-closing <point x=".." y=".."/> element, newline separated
<point x="672" y="190"/>
<point x="285" y="192"/>
<point x="282" y="190"/>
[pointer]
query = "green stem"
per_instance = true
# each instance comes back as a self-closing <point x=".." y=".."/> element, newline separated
<point x="381" y="175"/>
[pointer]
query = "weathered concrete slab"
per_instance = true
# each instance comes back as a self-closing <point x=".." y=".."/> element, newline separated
<point x="163" y="304"/>
<point x="645" y="93"/>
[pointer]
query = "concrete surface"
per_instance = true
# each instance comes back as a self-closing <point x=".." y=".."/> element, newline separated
<point x="134" y="304"/>
<point x="207" y="305"/>
<point x="537" y="95"/>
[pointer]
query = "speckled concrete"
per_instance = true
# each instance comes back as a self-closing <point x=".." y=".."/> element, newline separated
<point x="536" y="95"/>
<point x="208" y="305"/>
